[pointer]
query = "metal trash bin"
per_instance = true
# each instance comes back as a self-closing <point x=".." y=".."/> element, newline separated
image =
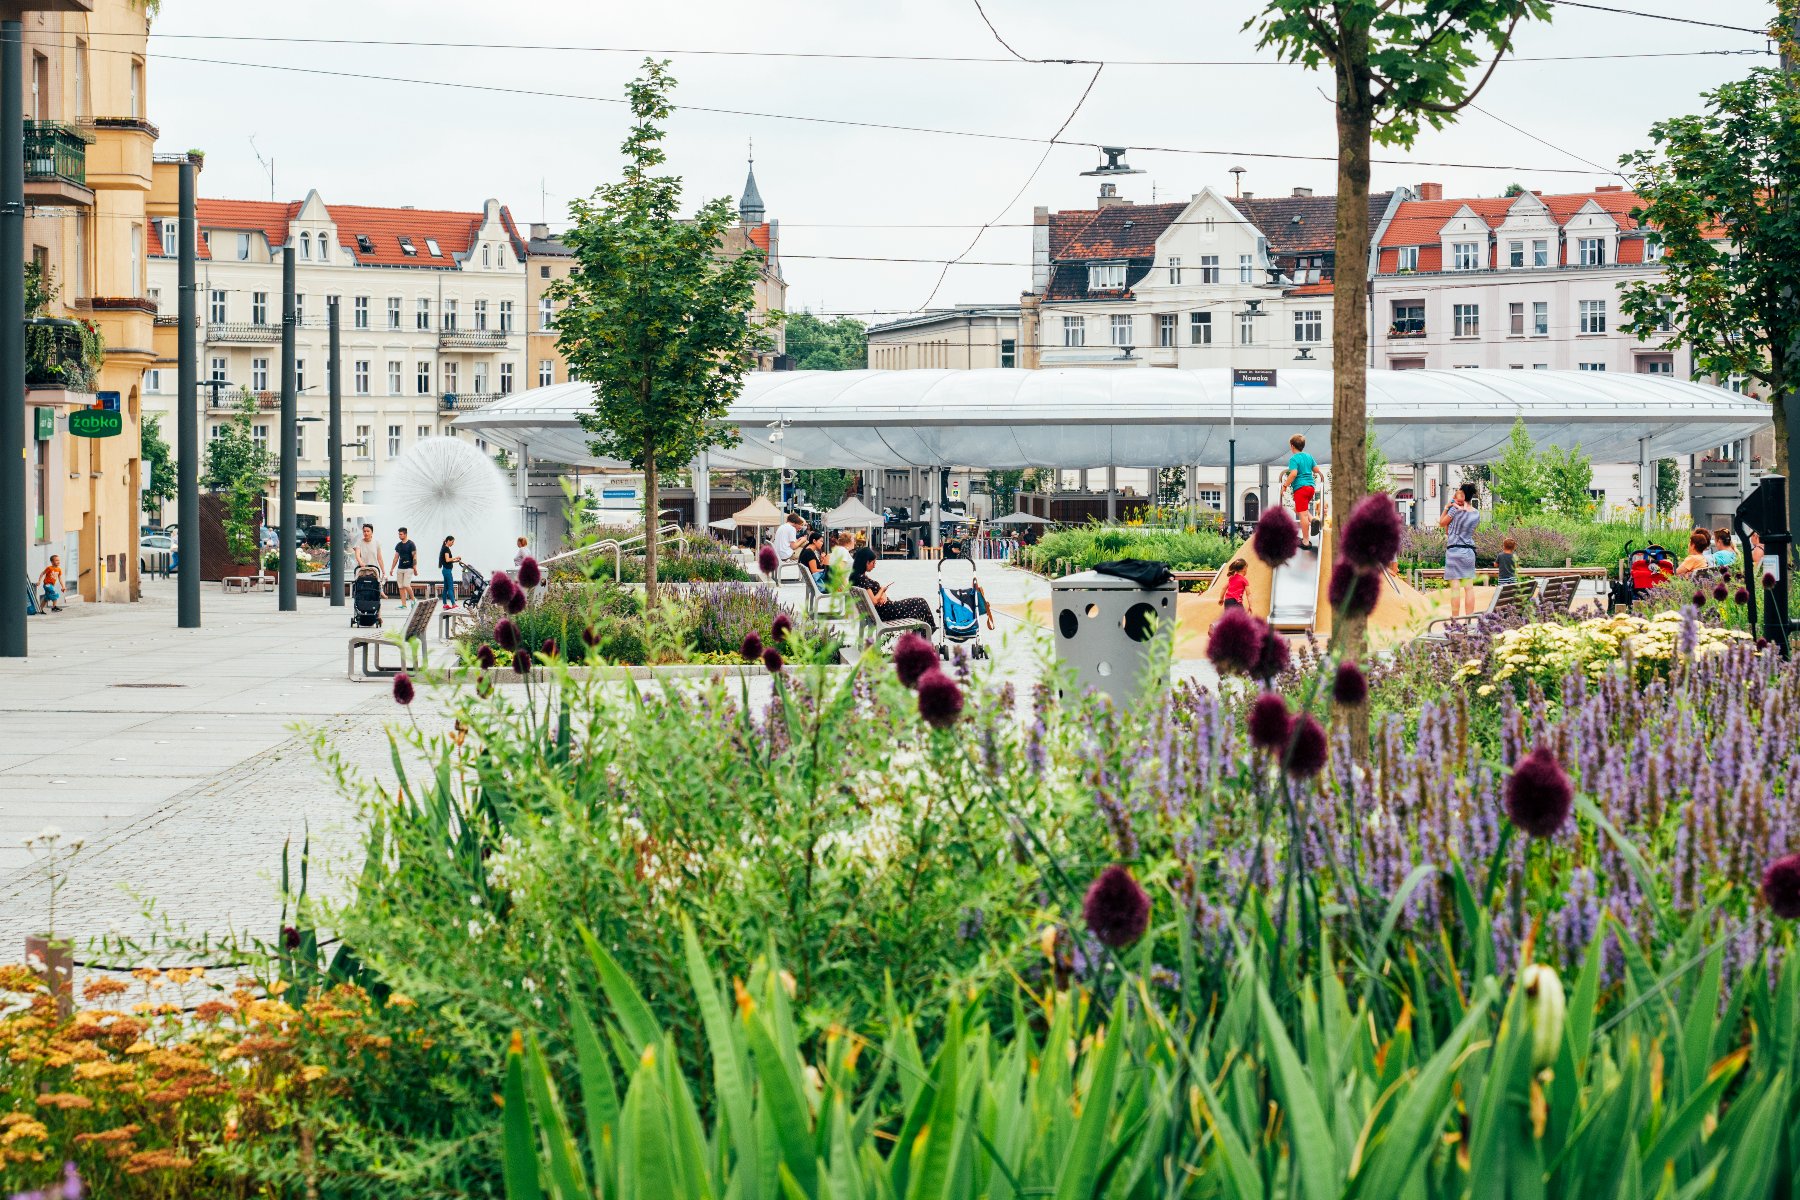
<point x="1108" y="630"/>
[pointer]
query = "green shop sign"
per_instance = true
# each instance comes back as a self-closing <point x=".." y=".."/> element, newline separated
<point x="46" y="423"/>
<point x="96" y="422"/>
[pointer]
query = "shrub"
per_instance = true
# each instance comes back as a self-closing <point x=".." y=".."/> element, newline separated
<point x="1184" y="550"/>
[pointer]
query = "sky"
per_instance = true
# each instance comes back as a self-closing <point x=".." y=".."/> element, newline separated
<point x="848" y="196"/>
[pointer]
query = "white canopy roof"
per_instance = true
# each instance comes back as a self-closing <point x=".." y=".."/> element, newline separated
<point x="853" y="514"/>
<point x="1073" y="418"/>
<point x="759" y="512"/>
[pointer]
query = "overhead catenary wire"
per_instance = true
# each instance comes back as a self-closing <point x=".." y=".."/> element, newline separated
<point x="1632" y="12"/>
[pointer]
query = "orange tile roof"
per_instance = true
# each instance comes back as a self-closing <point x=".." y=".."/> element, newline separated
<point x="759" y="236"/>
<point x="1324" y="287"/>
<point x="1421" y="222"/>
<point x="454" y="232"/>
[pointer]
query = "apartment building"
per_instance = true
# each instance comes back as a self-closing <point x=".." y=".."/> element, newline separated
<point x="964" y="336"/>
<point x="431" y="311"/>
<point x="88" y="150"/>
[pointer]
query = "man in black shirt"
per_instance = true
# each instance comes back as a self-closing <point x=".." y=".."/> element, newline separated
<point x="406" y="561"/>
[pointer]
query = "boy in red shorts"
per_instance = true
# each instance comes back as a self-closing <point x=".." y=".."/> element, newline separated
<point x="1300" y="478"/>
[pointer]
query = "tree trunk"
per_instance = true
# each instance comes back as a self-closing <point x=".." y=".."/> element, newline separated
<point x="651" y="504"/>
<point x="1350" y="305"/>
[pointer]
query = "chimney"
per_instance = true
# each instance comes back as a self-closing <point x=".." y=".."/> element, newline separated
<point x="539" y="231"/>
<point x="1610" y="187"/>
<point x="1109" y="196"/>
<point x="1040" y="250"/>
<point x="1302" y="192"/>
<point x="1247" y="196"/>
<point x="1431" y="191"/>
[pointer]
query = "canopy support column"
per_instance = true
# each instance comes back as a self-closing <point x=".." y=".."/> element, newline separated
<point x="1112" y="493"/>
<point x="1418" y="504"/>
<point x="702" y="472"/>
<point x="1262" y="487"/>
<point x="1443" y="488"/>
<point x="1740" y="454"/>
<point x="1646" y="485"/>
<point x="933" y="528"/>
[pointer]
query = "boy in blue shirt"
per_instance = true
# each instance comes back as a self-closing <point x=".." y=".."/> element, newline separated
<point x="1300" y="479"/>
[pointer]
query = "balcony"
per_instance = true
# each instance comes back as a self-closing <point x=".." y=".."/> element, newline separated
<point x="472" y="339"/>
<point x="56" y="166"/>
<point x="15" y="10"/>
<point x="231" y="334"/>
<point x="467" y="401"/>
<point x="225" y="401"/>
<point x="1406" y="331"/>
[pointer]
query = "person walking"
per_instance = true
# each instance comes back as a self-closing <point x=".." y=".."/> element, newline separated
<point x="406" y="561"/>
<point x="51" y="581"/>
<point x="1301" y="479"/>
<point x="446" y="559"/>
<point x="367" y="553"/>
<point x="1459" y="522"/>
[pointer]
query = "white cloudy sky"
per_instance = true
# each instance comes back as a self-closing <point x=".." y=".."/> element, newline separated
<point x="844" y="192"/>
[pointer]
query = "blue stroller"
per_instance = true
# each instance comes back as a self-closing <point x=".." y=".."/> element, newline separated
<point x="960" y="609"/>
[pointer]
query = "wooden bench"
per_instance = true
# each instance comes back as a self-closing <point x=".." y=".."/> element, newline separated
<point x="1558" y="595"/>
<point x="1512" y="597"/>
<point x="411" y="646"/>
<point x="878" y="630"/>
<point x="453" y="621"/>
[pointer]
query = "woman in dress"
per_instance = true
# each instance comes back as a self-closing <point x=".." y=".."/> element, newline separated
<point x="913" y="608"/>
<point x="1458" y="523"/>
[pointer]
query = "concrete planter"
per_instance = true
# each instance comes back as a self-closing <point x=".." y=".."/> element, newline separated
<point x="717" y="672"/>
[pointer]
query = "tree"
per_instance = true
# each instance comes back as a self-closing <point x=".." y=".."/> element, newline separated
<point x="825" y="487"/>
<point x="1399" y="65"/>
<point x="839" y="345"/>
<point x="238" y="468"/>
<point x="1568" y="479"/>
<point x="1721" y="191"/>
<point x="1668" y="486"/>
<point x="1375" y="466"/>
<point x="1518" y="476"/>
<point x="655" y="317"/>
<point x="159" y="467"/>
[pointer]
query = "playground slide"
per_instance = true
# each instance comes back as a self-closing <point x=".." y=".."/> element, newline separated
<point x="1294" y="593"/>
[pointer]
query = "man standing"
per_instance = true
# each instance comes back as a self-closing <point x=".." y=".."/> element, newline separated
<point x="1299" y="476"/>
<point x="406" y="558"/>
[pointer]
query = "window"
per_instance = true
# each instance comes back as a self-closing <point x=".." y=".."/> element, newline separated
<point x="137" y="90"/>
<point x="1246" y="268"/>
<point x="394" y="372"/>
<point x="547" y="372"/>
<point x="1653" y="250"/>
<point x="1515" y="320"/>
<point x="1209" y="268"/>
<point x="506" y="315"/>
<point x="1246" y="329"/>
<point x="1540" y="366"/>
<point x="1593" y="316"/>
<point x="424" y="378"/>
<point x="481" y="314"/>
<point x="259" y="308"/>
<point x="393" y="441"/>
<point x="299" y="308"/>
<point x="481" y="378"/>
<point x="1309" y="325"/>
<point x="406" y="247"/>
<point x="393" y="312"/>
<point x="1540" y="318"/>
<point x="506" y="379"/>
<point x="1213" y="498"/>
<point x="153" y="381"/>
<point x="171" y="236"/>
<point x="424" y="432"/>
<point x="1106" y="277"/>
<point x="362" y="376"/>
<point x="1540" y="252"/>
<point x="1165" y="329"/>
<point x="324" y="248"/>
<point x="1409" y="319"/>
<point x="1590" y="366"/>
<point x="544" y="272"/>
<point x="431" y="244"/>
<point x="1592" y="252"/>
<point x="1174" y="269"/>
<point x="1465" y="256"/>
<point x="1657" y="366"/>
<point x="1407" y="259"/>
<point x="299" y="441"/>
<point x="362" y="441"/>
<point x="215" y="308"/>
<point x="1200" y="329"/>
<point x="259" y="374"/>
<point x="1009" y="352"/>
<point x="422" y="319"/>
<point x="359" y="307"/>
<point x="260" y="434"/>
<point x="299" y="374"/>
<point x="1074" y="331"/>
<point x="216" y="373"/>
<point x="306" y="245"/>
<point x="1121" y="329"/>
<point x="546" y="314"/>
<point x="449" y="316"/>
<point x="1465" y="320"/>
<point x="450" y="377"/>
<point x="1515" y="254"/>
<point x="243" y="247"/>
<point x="484" y="257"/>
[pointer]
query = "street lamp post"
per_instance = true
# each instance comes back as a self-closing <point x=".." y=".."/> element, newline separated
<point x="335" y="438"/>
<point x="290" y="441"/>
<point x="12" y="336"/>
<point x="187" y="419"/>
<point x="1252" y="310"/>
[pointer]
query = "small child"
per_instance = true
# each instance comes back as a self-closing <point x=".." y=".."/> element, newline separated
<point x="1505" y="567"/>
<point x="51" y="581"/>
<point x="1237" y="584"/>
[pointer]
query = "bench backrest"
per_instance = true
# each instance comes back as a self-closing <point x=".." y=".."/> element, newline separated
<point x="1512" y="596"/>
<point x="1559" y="592"/>
<point x="418" y="621"/>
<point x="866" y="600"/>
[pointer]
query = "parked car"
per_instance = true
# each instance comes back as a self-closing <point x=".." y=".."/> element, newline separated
<point x="317" y="536"/>
<point x="156" y="554"/>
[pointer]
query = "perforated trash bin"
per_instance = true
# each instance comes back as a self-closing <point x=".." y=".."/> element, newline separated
<point x="1107" y="629"/>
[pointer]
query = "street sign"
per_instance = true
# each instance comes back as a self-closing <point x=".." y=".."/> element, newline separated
<point x="107" y="400"/>
<point x="618" y="493"/>
<point x="1253" y="377"/>
<point x="96" y="422"/>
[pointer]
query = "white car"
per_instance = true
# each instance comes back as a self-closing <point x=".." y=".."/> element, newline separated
<point x="156" y="552"/>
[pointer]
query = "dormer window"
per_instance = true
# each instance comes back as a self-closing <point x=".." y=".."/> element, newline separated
<point x="1653" y="250"/>
<point x="365" y="244"/>
<point x="1592" y="252"/>
<point x="1407" y="259"/>
<point x="1106" y="277"/>
<point x="406" y="247"/>
<point x="170" y="232"/>
<point x="432" y="245"/>
<point x="1465" y="256"/>
<point x="306" y="245"/>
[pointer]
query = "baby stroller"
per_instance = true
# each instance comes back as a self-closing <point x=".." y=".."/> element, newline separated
<point x="365" y="599"/>
<point x="960" y="609"/>
<point x="1644" y="570"/>
<point x="476" y="583"/>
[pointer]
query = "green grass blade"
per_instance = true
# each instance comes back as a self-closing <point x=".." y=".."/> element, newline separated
<point x="1309" y="1134"/>
<point x="635" y="1018"/>
<point x="521" y="1167"/>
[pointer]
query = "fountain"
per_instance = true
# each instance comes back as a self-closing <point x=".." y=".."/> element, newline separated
<point x="445" y="486"/>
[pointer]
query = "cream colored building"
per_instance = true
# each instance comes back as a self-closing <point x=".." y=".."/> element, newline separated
<point x="966" y="336"/>
<point x="431" y="310"/>
<point x="87" y="175"/>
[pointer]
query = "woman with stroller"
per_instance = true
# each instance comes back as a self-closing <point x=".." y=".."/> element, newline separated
<point x="447" y="559"/>
<point x="913" y="608"/>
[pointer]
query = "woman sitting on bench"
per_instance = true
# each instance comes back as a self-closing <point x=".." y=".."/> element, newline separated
<point x="913" y="608"/>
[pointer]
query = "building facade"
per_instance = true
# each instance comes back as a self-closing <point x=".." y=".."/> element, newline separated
<point x="966" y="336"/>
<point x="431" y="311"/>
<point x="88" y="150"/>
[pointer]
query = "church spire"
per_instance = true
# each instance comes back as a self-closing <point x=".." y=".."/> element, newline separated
<point x="750" y="208"/>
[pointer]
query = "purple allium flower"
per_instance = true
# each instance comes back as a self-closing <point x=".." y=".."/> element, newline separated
<point x="1306" y="756"/>
<point x="1271" y="655"/>
<point x="767" y="561"/>
<point x="940" y="700"/>
<point x="1698" y="599"/>
<point x="522" y="661"/>
<point x="1270" y="723"/>
<point x="591" y="635"/>
<point x="1781" y="887"/>
<point x="1116" y="908"/>
<point x="771" y="659"/>
<point x="1235" y="641"/>
<point x="780" y="627"/>
<point x="913" y="659"/>
<point x="1349" y="687"/>
<point x="1719" y="592"/>
<point x="403" y="688"/>
<point x="548" y="649"/>
<point x="752" y="648"/>
<point x="501" y="589"/>
<point x="1371" y="537"/>
<point x="529" y="573"/>
<point x="1277" y="538"/>
<point x="1539" y="796"/>
<point x="1742" y="596"/>
<point x="1352" y="592"/>
<point x="506" y="633"/>
<point x="1769" y="582"/>
<point x="484" y="655"/>
<point x="290" y="937"/>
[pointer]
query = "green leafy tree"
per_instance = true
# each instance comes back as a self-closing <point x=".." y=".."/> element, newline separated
<point x="1518" y="474"/>
<point x="836" y="345"/>
<point x="1568" y="477"/>
<point x="159" y="467"/>
<point x="1721" y="190"/>
<point x="1668" y="486"/>
<point x="825" y="487"/>
<point x="653" y="316"/>
<point x="238" y="467"/>
<point x="1375" y="465"/>
<point x="1398" y="65"/>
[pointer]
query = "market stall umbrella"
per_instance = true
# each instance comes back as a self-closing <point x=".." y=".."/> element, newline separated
<point x="759" y="513"/>
<point x="1020" y="518"/>
<point x="724" y="523"/>
<point x="853" y="514"/>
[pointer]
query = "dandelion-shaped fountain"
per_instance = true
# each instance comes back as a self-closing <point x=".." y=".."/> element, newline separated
<point x="445" y="486"/>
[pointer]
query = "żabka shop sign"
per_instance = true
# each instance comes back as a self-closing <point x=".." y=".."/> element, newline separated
<point x="96" y="422"/>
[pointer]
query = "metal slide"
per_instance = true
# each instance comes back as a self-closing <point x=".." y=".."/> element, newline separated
<point x="1294" y="593"/>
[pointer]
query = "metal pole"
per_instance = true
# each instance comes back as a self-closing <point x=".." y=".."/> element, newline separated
<point x="1231" y="467"/>
<point x="13" y="519"/>
<point x="187" y="412"/>
<point x="1646" y="484"/>
<point x="334" y="437"/>
<point x="1418" y="490"/>
<point x="290" y="437"/>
